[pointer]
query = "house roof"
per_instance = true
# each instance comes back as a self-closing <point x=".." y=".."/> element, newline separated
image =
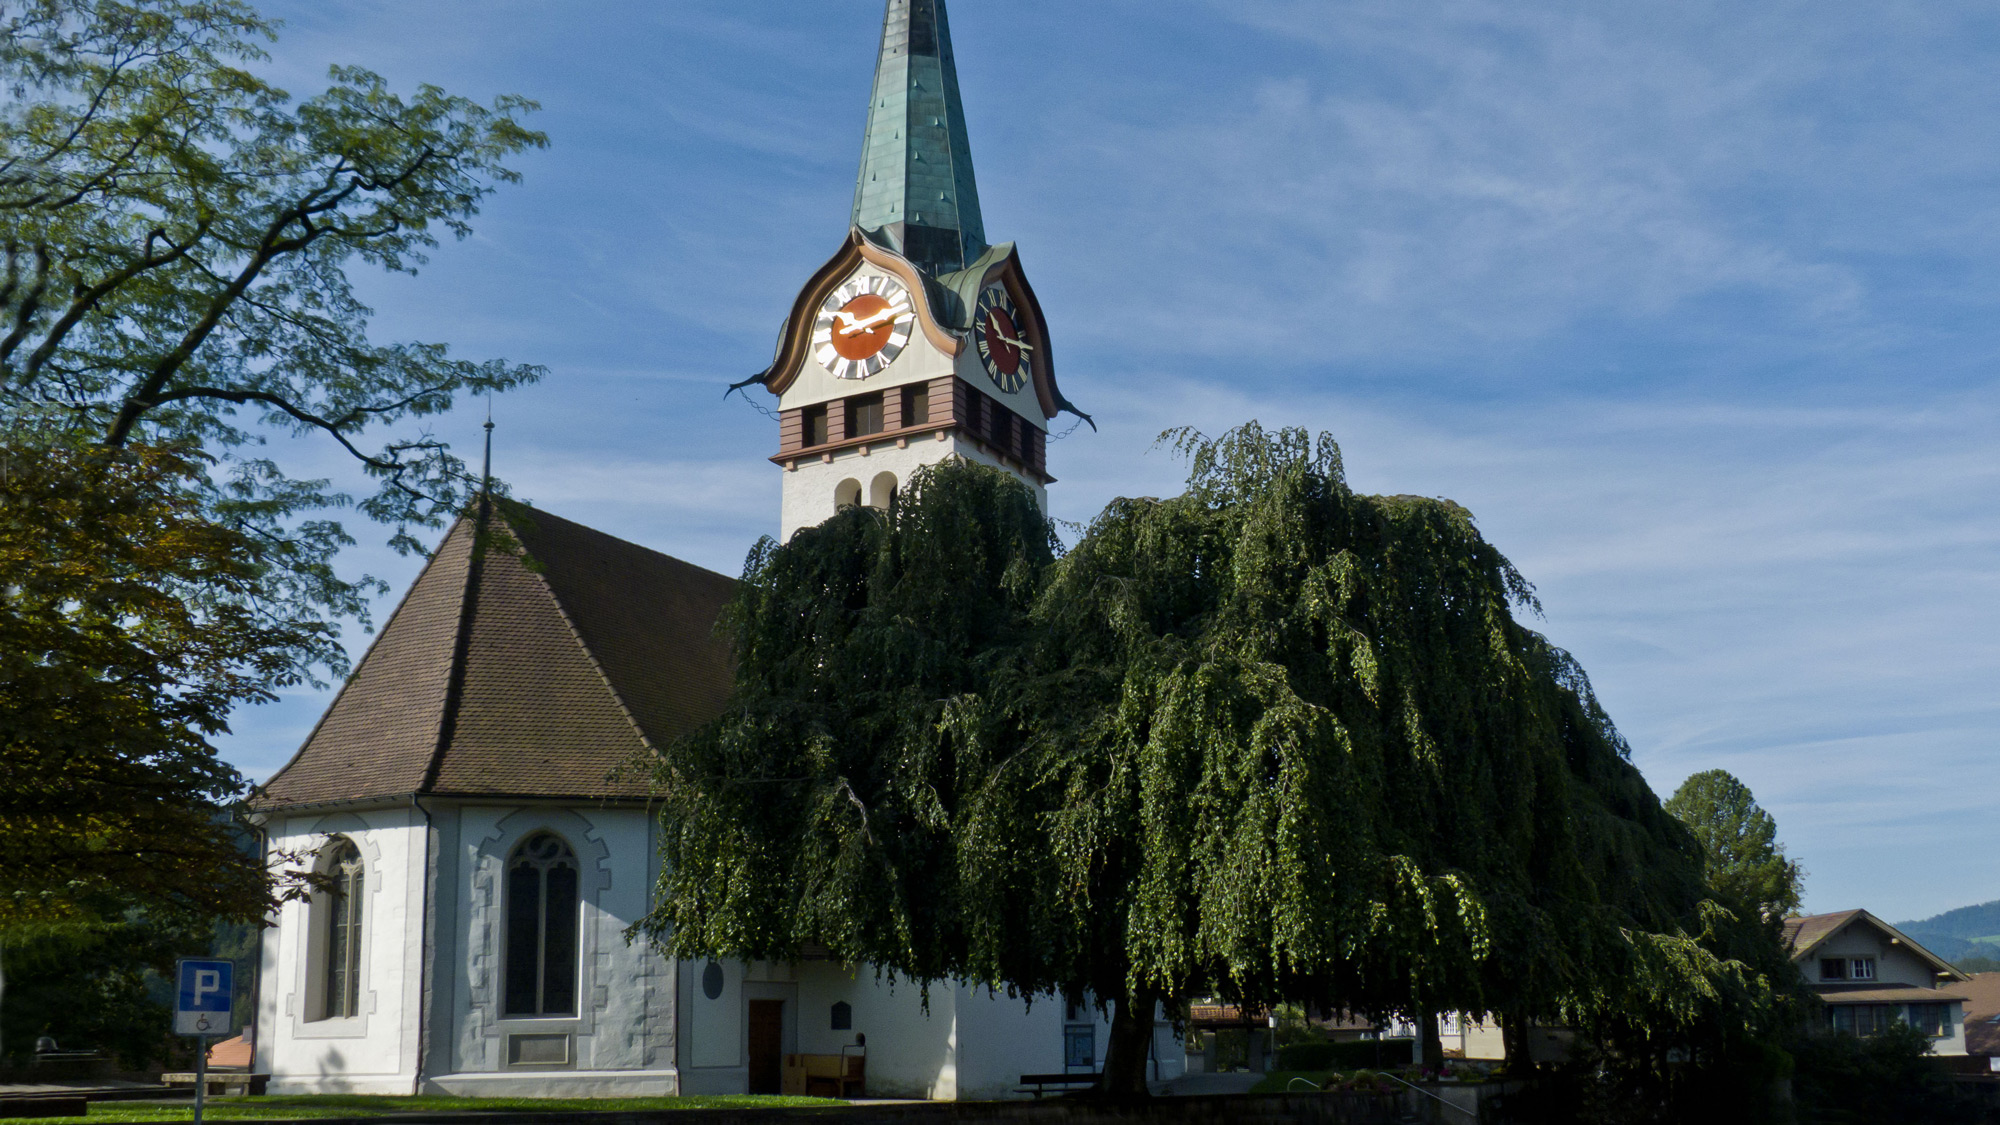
<point x="539" y="660"/>
<point x="1982" y="1014"/>
<point x="231" y="1054"/>
<point x="1886" y="994"/>
<point x="1804" y="934"/>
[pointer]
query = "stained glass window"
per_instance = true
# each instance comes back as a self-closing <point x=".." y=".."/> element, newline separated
<point x="343" y="905"/>
<point x="541" y="928"/>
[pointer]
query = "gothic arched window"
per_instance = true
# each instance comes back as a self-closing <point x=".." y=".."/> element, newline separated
<point x="541" y="928"/>
<point x="341" y="905"/>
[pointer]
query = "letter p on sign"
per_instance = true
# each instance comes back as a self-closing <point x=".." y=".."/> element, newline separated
<point x="202" y="997"/>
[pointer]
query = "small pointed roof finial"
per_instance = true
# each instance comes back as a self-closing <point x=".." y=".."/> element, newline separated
<point x="486" y="470"/>
<point x="916" y="186"/>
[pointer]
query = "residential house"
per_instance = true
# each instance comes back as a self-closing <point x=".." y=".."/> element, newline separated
<point x="1872" y="976"/>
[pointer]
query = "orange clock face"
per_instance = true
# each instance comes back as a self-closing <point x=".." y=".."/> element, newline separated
<point x="862" y="327"/>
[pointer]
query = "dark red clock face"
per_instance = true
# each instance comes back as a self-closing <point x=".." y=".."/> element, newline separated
<point x="1004" y="349"/>
<point x="1003" y="342"/>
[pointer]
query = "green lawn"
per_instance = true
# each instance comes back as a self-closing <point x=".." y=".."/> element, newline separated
<point x="306" y="1106"/>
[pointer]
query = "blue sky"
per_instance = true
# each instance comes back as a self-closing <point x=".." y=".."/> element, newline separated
<point x="1693" y="304"/>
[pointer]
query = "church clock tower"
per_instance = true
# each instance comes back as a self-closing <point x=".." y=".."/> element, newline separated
<point x="917" y="341"/>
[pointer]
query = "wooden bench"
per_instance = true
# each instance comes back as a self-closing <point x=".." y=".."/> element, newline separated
<point x="67" y="1066"/>
<point x="826" y="1076"/>
<point x="220" y="1082"/>
<point x="1037" y="1083"/>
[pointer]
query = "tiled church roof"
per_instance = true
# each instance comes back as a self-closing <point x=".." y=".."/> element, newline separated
<point x="538" y="672"/>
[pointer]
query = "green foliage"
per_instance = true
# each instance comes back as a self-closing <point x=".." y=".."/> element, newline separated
<point x="130" y="624"/>
<point x="91" y="985"/>
<point x="1325" y="1054"/>
<point x="1978" y="965"/>
<point x="1269" y="739"/>
<point x="1887" y="1077"/>
<point x="1745" y="862"/>
<point x="177" y="235"/>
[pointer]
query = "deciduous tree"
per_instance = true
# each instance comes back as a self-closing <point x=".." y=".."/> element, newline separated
<point x="178" y="236"/>
<point x="1739" y="839"/>
<point x="1269" y="738"/>
<point x="129" y="628"/>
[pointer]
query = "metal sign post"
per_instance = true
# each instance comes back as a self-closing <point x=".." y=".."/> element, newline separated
<point x="204" y="998"/>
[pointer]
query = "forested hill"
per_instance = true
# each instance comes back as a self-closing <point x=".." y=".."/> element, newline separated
<point x="1969" y="931"/>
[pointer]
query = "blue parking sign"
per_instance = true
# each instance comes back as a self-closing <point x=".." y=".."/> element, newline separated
<point x="204" y="995"/>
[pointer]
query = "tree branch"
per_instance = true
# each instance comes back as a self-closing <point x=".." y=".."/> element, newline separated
<point x="25" y="315"/>
<point x="88" y="298"/>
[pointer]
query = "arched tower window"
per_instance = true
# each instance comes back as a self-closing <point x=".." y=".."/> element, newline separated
<point x="342" y="904"/>
<point x="847" y="494"/>
<point x="541" y="928"/>
<point x="882" y="492"/>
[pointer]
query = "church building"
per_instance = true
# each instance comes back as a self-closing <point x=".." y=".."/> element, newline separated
<point x="477" y="794"/>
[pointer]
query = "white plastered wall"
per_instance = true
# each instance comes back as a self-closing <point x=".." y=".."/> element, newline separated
<point x="622" y="1036"/>
<point x="374" y="1051"/>
<point x="969" y="1044"/>
<point x="811" y="491"/>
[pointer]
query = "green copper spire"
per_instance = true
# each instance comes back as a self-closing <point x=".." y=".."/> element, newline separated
<point x="916" y="190"/>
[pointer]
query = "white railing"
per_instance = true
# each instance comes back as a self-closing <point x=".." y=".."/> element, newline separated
<point x="1311" y="1085"/>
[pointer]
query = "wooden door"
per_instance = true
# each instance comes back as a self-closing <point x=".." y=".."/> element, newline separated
<point x="767" y="1046"/>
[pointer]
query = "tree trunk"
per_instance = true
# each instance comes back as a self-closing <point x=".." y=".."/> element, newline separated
<point x="1130" y="1048"/>
<point x="1519" y="1048"/>
<point x="1430" y="1045"/>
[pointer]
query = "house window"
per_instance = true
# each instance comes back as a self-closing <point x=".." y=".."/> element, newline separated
<point x="843" y="1016"/>
<point x="1861" y="968"/>
<point x="343" y="904"/>
<point x="1833" y="968"/>
<point x="847" y="494"/>
<point x="864" y="416"/>
<point x="812" y="425"/>
<point x="541" y="928"/>
<point x="1933" y="1020"/>
<point x="1863" y="1020"/>
<point x="1080" y="1047"/>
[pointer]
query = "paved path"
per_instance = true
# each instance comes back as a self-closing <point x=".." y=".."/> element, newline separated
<point x="1195" y="1085"/>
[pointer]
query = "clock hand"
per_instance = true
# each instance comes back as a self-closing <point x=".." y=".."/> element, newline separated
<point x="1024" y="346"/>
<point x="855" y="328"/>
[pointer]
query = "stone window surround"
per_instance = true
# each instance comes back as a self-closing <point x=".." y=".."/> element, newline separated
<point x="487" y="927"/>
<point x="308" y="980"/>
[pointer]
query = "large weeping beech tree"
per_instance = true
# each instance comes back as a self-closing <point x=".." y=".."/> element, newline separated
<point x="1268" y="739"/>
